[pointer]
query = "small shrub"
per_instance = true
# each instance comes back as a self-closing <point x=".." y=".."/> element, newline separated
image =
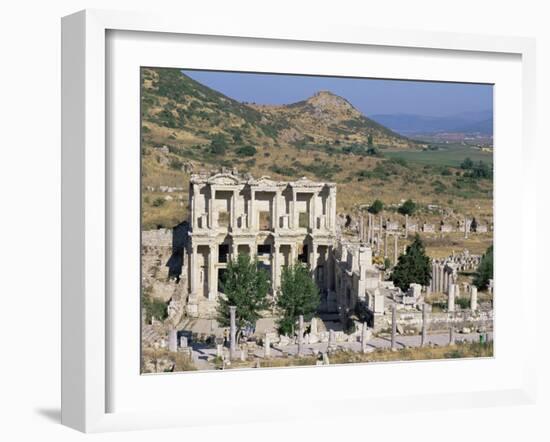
<point x="463" y="302"/>
<point x="175" y="164"/>
<point x="376" y="207"/>
<point x="246" y="151"/>
<point x="407" y="208"/>
<point x="158" y="202"/>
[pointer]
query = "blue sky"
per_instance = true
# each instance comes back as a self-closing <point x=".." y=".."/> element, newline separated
<point x="370" y="96"/>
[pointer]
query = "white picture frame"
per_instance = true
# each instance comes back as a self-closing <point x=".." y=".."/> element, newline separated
<point x="86" y="209"/>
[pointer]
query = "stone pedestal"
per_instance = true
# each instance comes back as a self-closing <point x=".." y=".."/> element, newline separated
<point x="473" y="298"/>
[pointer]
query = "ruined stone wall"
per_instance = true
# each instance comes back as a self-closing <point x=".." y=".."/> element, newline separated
<point x="157" y="238"/>
<point x="163" y="267"/>
<point x="410" y="322"/>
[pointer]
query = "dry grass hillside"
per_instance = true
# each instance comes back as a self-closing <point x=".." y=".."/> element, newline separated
<point x="187" y="127"/>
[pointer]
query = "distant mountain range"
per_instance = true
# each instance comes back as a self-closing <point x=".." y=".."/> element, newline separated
<point x="467" y="122"/>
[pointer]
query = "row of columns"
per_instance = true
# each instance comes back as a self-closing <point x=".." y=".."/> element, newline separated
<point x="252" y="217"/>
<point x="276" y="261"/>
<point x="442" y="276"/>
<point x="369" y="234"/>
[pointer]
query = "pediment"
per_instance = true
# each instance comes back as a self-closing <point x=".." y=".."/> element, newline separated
<point x="224" y="179"/>
<point x="306" y="182"/>
<point x="264" y="181"/>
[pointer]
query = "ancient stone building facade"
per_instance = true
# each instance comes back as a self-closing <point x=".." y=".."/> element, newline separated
<point x="355" y="275"/>
<point x="278" y="222"/>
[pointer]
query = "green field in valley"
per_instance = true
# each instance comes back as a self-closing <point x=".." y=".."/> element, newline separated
<point x="445" y="157"/>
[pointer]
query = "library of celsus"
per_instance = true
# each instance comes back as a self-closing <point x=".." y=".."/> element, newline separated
<point x="278" y="222"/>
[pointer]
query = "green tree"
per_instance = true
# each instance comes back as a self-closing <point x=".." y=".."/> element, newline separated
<point x="218" y="145"/>
<point x="481" y="170"/>
<point x="246" y="151"/>
<point x="467" y="163"/>
<point x="376" y="207"/>
<point x="373" y="151"/>
<point x="245" y="286"/>
<point x="369" y="140"/>
<point x="298" y="296"/>
<point x="484" y="270"/>
<point x="413" y="266"/>
<point x="407" y="208"/>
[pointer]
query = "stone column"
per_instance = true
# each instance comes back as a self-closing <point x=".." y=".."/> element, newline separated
<point x="332" y="197"/>
<point x="173" y="340"/>
<point x="234" y="210"/>
<point x="406" y="226"/>
<point x="211" y="218"/>
<point x="465" y="228"/>
<point x="378" y="236"/>
<point x="252" y="216"/>
<point x="193" y="205"/>
<point x="369" y="229"/>
<point x="393" y="325"/>
<point x="276" y="216"/>
<point x="300" y="335"/>
<point x="451" y="300"/>
<point x="267" y="346"/>
<point x="193" y="270"/>
<point x="212" y="273"/>
<point x="313" y="214"/>
<point x="275" y="273"/>
<point x="232" y="331"/>
<point x="313" y="258"/>
<point x="473" y="298"/>
<point x="293" y="220"/>
<point x="386" y="245"/>
<point x="424" y="324"/>
<point x="330" y="268"/>
<point x="395" y="253"/>
<point x="364" y="337"/>
<point x="432" y="280"/>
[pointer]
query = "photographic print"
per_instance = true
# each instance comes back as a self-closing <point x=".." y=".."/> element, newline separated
<point x="302" y="220"/>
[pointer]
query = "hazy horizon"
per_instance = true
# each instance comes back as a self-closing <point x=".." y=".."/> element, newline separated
<point x="370" y="96"/>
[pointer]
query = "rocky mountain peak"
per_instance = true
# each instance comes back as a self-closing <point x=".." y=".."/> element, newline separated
<point x="328" y="99"/>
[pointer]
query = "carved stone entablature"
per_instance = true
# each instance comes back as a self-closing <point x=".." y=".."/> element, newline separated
<point x="225" y="179"/>
<point x="265" y="182"/>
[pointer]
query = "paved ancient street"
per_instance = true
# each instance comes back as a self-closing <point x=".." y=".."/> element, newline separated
<point x="203" y="356"/>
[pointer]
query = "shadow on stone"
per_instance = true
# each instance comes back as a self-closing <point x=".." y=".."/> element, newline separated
<point x="180" y="235"/>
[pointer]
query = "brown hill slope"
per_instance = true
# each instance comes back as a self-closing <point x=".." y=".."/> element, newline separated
<point x="187" y="127"/>
<point x="325" y="119"/>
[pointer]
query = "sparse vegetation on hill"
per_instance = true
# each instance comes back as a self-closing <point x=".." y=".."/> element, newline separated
<point x="323" y="138"/>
